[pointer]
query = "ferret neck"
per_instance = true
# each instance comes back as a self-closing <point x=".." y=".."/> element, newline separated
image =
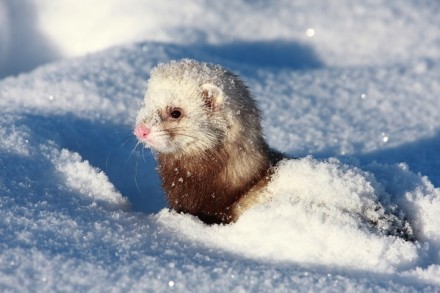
<point x="208" y="186"/>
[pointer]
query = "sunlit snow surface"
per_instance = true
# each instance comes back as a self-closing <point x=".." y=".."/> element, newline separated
<point x="81" y="210"/>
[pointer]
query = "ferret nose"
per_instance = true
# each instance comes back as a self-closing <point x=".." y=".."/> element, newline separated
<point x="141" y="131"/>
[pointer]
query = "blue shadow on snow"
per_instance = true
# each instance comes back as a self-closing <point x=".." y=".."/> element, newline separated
<point x="108" y="147"/>
<point x="22" y="46"/>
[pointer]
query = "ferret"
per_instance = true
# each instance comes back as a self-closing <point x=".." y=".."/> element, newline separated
<point x="205" y="129"/>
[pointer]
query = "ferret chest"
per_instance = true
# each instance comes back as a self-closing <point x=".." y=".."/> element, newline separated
<point x="198" y="190"/>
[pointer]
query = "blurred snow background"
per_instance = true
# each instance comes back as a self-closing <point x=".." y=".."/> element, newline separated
<point x="347" y="79"/>
<point x="343" y="33"/>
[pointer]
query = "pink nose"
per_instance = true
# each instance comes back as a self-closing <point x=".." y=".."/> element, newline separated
<point x="141" y="131"/>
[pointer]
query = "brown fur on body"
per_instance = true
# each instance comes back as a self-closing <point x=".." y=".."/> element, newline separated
<point x="208" y="186"/>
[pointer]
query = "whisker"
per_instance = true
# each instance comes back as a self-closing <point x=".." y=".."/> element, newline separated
<point x="127" y="139"/>
<point x="202" y="141"/>
<point x="120" y="129"/>
<point x="132" y="152"/>
<point x="106" y="161"/>
<point x="135" y="177"/>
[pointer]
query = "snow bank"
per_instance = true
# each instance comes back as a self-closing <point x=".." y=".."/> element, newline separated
<point x="82" y="209"/>
<point x="69" y="171"/>
<point x="108" y="23"/>
<point x="322" y="213"/>
<point x="33" y="32"/>
<point x="375" y="100"/>
<point x="83" y="178"/>
<point x="69" y="166"/>
<point x="416" y="195"/>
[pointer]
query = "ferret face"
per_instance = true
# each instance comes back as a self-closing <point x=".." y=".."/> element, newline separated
<point x="180" y="116"/>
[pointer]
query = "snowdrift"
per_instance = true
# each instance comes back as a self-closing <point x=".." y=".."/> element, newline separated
<point x="82" y="208"/>
<point x="350" y="89"/>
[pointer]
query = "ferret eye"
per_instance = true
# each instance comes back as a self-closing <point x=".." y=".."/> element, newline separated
<point x="175" y="114"/>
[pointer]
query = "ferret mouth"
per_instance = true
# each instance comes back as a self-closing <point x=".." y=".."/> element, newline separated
<point x="148" y="143"/>
<point x="154" y="145"/>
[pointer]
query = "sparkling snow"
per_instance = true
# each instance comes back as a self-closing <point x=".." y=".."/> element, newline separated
<point x="350" y="88"/>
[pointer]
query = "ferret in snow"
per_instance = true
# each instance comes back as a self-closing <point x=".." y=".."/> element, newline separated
<point x="205" y="129"/>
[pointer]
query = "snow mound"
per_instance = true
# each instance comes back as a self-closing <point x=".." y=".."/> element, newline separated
<point x="67" y="157"/>
<point x="416" y="195"/>
<point x="321" y="213"/>
<point x="83" y="178"/>
<point x="339" y="194"/>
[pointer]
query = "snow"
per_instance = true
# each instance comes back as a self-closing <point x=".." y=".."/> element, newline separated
<point x="350" y="88"/>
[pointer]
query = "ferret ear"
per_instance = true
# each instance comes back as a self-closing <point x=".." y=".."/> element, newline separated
<point x="212" y="96"/>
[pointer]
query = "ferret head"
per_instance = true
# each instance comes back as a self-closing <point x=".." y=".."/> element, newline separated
<point x="191" y="107"/>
